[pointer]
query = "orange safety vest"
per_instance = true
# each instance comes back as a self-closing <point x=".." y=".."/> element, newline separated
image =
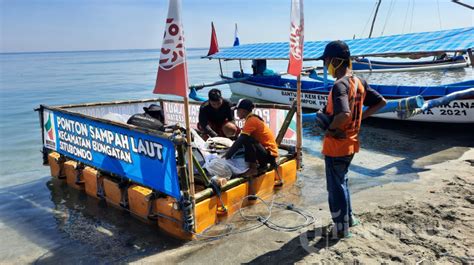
<point x="342" y="147"/>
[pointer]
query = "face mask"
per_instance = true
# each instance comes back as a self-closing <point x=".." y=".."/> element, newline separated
<point x="332" y="69"/>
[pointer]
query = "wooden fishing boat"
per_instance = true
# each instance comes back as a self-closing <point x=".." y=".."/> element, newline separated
<point x="144" y="170"/>
<point x="274" y="88"/>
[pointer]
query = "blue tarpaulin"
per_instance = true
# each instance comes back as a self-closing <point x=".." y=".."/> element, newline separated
<point x="422" y="44"/>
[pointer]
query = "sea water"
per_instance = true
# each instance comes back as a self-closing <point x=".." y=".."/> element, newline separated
<point x="42" y="219"/>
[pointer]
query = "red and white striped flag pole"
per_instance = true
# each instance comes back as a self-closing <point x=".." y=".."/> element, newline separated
<point x="295" y="65"/>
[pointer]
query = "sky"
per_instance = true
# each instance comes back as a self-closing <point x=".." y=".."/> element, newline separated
<point x="72" y="25"/>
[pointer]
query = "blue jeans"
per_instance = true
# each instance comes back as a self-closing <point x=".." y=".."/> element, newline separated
<point x="338" y="191"/>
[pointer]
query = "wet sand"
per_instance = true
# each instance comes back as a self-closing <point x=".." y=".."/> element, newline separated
<point x="427" y="220"/>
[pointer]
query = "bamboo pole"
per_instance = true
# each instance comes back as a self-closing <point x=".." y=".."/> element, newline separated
<point x="286" y="124"/>
<point x="190" y="161"/>
<point x="299" y="126"/>
<point x="190" y="149"/>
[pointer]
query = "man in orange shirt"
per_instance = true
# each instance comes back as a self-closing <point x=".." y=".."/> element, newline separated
<point x="256" y="137"/>
<point x="345" y="104"/>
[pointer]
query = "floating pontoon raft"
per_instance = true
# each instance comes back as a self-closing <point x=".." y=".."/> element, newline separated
<point x="144" y="171"/>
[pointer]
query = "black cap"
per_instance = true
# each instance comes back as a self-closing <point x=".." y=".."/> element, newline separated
<point x="336" y="48"/>
<point x="152" y="108"/>
<point x="214" y="94"/>
<point x="245" y="104"/>
<point x="155" y="111"/>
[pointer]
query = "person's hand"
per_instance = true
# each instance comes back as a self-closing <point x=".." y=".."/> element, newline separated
<point x="336" y="133"/>
<point x="212" y="134"/>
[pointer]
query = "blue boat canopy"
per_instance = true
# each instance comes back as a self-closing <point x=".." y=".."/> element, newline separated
<point x="413" y="45"/>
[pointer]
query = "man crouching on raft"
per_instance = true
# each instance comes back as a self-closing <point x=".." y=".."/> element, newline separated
<point x="216" y="117"/>
<point x="345" y="104"/>
<point x="256" y="137"/>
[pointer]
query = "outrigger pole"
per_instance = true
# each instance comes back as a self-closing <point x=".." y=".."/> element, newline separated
<point x="221" y="82"/>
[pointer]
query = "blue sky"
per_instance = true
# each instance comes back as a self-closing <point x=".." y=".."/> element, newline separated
<point x="65" y="25"/>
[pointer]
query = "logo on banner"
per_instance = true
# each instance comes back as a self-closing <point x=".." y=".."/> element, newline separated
<point x="296" y="41"/>
<point x="172" y="51"/>
<point x="48" y="126"/>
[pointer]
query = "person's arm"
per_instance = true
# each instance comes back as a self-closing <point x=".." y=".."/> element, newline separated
<point x="202" y="116"/>
<point x="373" y="100"/>
<point x="334" y="129"/>
<point x="236" y="145"/>
<point x="373" y="109"/>
<point x="208" y="130"/>
<point x="204" y="122"/>
<point x="339" y="120"/>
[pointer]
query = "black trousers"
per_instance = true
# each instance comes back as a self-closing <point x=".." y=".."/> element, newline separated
<point x="255" y="152"/>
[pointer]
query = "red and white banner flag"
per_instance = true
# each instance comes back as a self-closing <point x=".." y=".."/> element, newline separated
<point x="172" y="76"/>
<point x="296" y="38"/>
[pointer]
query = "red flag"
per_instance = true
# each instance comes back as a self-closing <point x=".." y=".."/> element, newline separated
<point x="214" y="47"/>
<point x="172" y="77"/>
<point x="296" y="38"/>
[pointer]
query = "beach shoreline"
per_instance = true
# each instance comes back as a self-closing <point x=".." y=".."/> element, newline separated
<point x="423" y="221"/>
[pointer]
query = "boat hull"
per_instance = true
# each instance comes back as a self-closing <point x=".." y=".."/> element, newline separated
<point x="458" y="111"/>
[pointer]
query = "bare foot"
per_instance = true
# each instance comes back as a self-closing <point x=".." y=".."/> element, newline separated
<point x="221" y="181"/>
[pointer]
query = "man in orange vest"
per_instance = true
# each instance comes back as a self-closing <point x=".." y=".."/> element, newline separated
<point x="345" y="105"/>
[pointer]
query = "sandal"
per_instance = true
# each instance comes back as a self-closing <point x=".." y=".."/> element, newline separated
<point x="354" y="222"/>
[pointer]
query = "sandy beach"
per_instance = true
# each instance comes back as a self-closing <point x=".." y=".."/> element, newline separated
<point x="427" y="220"/>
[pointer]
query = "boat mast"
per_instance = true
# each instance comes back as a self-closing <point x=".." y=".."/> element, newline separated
<point x="375" y="16"/>
<point x="463" y="4"/>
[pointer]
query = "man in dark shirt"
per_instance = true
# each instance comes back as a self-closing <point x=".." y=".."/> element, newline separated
<point x="216" y="117"/>
<point x="345" y="104"/>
